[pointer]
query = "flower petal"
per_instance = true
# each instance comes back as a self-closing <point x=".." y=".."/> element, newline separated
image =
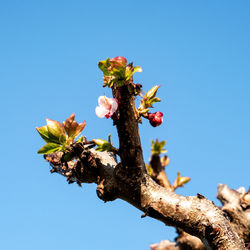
<point x="114" y="105"/>
<point x="101" y="111"/>
<point x="104" y="102"/>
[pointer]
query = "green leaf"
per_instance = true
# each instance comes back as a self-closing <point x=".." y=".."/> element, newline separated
<point x="62" y="139"/>
<point x="128" y="73"/>
<point x="131" y="71"/>
<point x="180" y="180"/>
<point x="49" y="148"/>
<point x="44" y="133"/>
<point x="152" y="92"/>
<point x="158" y="147"/>
<point x="119" y="72"/>
<point x="183" y="180"/>
<point x="80" y="139"/>
<point x="99" y="142"/>
<point x="149" y="99"/>
<point x="103" y="145"/>
<point x="154" y="100"/>
<point x="104" y="65"/>
<point x="137" y="69"/>
<point x="53" y="139"/>
<point x="55" y="130"/>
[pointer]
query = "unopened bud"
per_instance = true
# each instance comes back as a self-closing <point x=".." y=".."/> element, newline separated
<point x="119" y="61"/>
<point x="155" y="119"/>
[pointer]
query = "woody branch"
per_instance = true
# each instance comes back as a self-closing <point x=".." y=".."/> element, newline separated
<point x="129" y="179"/>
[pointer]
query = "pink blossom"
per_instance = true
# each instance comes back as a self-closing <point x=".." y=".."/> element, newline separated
<point x="155" y="119"/>
<point x="107" y="107"/>
<point x="119" y="61"/>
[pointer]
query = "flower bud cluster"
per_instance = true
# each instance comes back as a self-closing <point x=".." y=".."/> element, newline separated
<point x="116" y="71"/>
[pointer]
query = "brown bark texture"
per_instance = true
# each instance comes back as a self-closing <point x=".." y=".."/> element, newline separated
<point x="199" y="222"/>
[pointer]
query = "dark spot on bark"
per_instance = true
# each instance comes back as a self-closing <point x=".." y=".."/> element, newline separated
<point x="200" y="196"/>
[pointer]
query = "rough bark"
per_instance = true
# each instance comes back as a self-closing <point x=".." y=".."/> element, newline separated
<point x="128" y="180"/>
<point x="184" y="241"/>
<point x="236" y="205"/>
<point x="159" y="174"/>
<point x="195" y="215"/>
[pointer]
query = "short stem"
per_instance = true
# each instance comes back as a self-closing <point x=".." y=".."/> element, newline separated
<point x="127" y="127"/>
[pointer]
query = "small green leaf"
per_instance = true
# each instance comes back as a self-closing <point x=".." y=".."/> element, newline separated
<point x="44" y="133"/>
<point x="99" y="142"/>
<point x="152" y="92"/>
<point x="53" y="139"/>
<point x="49" y="148"/>
<point x="103" y="66"/>
<point x="119" y="72"/>
<point x="158" y="147"/>
<point x="183" y="180"/>
<point x="80" y="139"/>
<point x="154" y="100"/>
<point x="103" y="145"/>
<point x="149" y="99"/>
<point x="128" y="73"/>
<point x="137" y="69"/>
<point x="180" y="181"/>
<point x="131" y="71"/>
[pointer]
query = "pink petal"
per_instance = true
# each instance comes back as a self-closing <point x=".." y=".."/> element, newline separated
<point x="101" y="111"/>
<point x="104" y="102"/>
<point x="114" y="105"/>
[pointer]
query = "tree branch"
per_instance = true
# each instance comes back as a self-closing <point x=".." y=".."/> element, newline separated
<point x="204" y="220"/>
<point x="195" y="215"/>
<point x="184" y="241"/>
<point x="236" y="205"/>
<point x="159" y="175"/>
<point x="130" y="149"/>
<point x="130" y="181"/>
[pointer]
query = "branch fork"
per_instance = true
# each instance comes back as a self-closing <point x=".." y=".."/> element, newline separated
<point x="130" y="181"/>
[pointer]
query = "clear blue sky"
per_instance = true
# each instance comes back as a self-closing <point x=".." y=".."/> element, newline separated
<point x="197" y="50"/>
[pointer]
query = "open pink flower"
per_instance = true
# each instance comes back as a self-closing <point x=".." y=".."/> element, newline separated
<point x="107" y="107"/>
<point x="155" y="119"/>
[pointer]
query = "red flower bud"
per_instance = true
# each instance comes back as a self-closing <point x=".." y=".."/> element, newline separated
<point x="119" y="61"/>
<point x="155" y="119"/>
